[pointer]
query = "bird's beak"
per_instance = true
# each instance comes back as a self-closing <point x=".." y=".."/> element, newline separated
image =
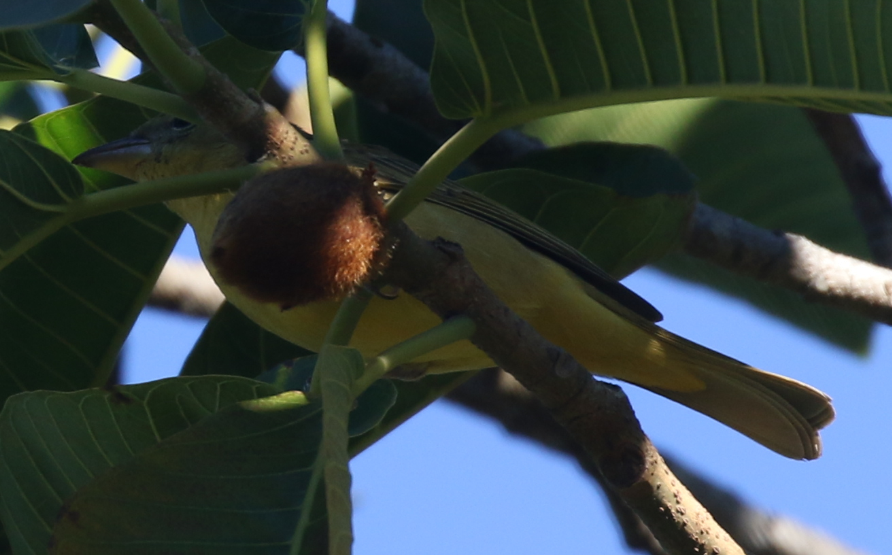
<point x="121" y="157"/>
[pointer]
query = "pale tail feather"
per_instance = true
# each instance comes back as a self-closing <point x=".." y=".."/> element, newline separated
<point x="778" y="412"/>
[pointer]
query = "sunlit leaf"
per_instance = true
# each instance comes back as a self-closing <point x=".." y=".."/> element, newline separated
<point x="539" y="57"/>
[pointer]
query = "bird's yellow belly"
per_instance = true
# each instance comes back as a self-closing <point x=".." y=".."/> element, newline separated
<point x="536" y="288"/>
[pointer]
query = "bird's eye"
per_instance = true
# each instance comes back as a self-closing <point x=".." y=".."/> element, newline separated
<point x="181" y="124"/>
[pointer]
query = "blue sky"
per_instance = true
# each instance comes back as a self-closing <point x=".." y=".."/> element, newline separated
<point x="449" y="481"/>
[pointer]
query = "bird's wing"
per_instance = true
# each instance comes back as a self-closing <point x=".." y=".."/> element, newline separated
<point x="393" y="172"/>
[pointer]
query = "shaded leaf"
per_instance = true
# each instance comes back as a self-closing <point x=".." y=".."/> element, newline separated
<point x="68" y="45"/>
<point x="23" y="58"/>
<point x="618" y="232"/>
<point x="67" y="305"/>
<point x="762" y="163"/>
<point x="537" y="57"/>
<point x="237" y="478"/>
<point x="198" y="25"/>
<point x="36" y="186"/>
<point x="232" y="344"/>
<point x="36" y="13"/>
<point x="266" y="24"/>
<point x="52" y="444"/>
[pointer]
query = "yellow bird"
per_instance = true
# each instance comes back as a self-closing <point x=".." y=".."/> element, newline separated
<point x="567" y="298"/>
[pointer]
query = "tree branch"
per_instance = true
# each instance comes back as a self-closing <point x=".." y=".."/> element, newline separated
<point x="863" y="176"/>
<point x="497" y="395"/>
<point x="597" y="416"/>
<point x="791" y="261"/>
<point x="185" y="286"/>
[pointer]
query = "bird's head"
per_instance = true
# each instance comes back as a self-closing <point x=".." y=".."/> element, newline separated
<point x="164" y="147"/>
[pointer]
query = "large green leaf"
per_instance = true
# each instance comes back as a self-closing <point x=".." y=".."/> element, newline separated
<point x="759" y="162"/>
<point x="36" y="186"/>
<point x="267" y="24"/>
<point x="235" y="482"/>
<point x="44" y="52"/>
<point x="67" y="304"/>
<point x="22" y="57"/>
<point x="528" y="58"/>
<point x="36" y="13"/>
<point x="53" y="444"/>
<point x="622" y="206"/>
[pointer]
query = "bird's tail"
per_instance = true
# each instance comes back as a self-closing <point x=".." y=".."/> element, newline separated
<point x="778" y="412"/>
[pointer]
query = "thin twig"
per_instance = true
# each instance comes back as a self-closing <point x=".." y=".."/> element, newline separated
<point x="863" y="176"/>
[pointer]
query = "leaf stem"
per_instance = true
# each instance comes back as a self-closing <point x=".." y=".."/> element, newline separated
<point x="149" y="192"/>
<point x="344" y="324"/>
<point x="141" y="95"/>
<point x="452" y="153"/>
<point x="185" y="74"/>
<point x="325" y="132"/>
<point x="132" y="196"/>
<point x="450" y="331"/>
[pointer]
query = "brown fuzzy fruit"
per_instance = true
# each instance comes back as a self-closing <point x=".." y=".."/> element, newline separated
<point x="299" y="235"/>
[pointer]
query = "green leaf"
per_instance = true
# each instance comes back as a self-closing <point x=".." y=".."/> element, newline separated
<point x="265" y="24"/>
<point x="410" y="32"/>
<point x="45" y="52"/>
<point x="36" y="13"/>
<point x="369" y="409"/>
<point x="67" y="304"/>
<point x="759" y="162"/>
<point x="23" y="58"/>
<point x="68" y="45"/>
<point x="411" y="398"/>
<point x="234" y="345"/>
<point x="36" y="186"/>
<point x="528" y="58"/>
<point x="54" y="444"/>
<point x="198" y="25"/>
<point x="599" y="217"/>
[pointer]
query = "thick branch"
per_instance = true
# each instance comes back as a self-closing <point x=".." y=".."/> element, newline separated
<point x="499" y="396"/>
<point x="791" y="261"/>
<point x="863" y="176"/>
<point x="596" y="415"/>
